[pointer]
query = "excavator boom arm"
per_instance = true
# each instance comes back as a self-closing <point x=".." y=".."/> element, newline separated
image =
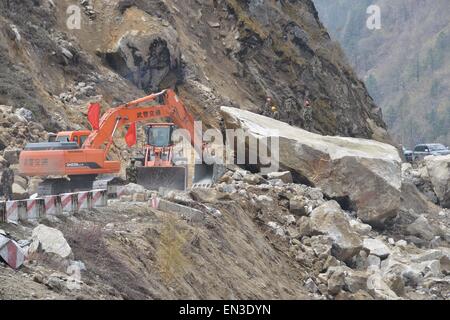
<point x="169" y="106"/>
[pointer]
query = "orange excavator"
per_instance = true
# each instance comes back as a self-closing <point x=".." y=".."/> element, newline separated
<point x="82" y="156"/>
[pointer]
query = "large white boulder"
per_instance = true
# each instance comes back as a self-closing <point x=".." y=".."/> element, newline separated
<point x="439" y="173"/>
<point x="50" y="240"/>
<point x="366" y="172"/>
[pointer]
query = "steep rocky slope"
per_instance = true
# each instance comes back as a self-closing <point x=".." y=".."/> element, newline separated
<point x="257" y="236"/>
<point x="405" y="65"/>
<point x="226" y="52"/>
<point x="252" y="236"/>
<point x="121" y="248"/>
<point x="346" y="222"/>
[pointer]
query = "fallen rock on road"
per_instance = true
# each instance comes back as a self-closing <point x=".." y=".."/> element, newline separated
<point x="366" y="172"/>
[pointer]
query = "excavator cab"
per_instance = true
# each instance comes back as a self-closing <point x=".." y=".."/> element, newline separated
<point x="79" y="137"/>
<point x="162" y="168"/>
<point x="160" y="135"/>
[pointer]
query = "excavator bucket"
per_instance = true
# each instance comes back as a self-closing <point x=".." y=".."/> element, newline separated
<point x="206" y="175"/>
<point x="154" y="178"/>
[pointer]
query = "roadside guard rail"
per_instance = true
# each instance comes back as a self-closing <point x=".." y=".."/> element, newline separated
<point x="63" y="204"/>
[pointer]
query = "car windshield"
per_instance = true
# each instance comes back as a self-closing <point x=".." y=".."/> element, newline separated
<point x="437" y="147"/>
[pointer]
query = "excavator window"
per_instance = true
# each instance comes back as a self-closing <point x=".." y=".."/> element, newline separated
<point x="52" y="137"/>
<point x="62" y="139"/>
<point x="159" y="136"/>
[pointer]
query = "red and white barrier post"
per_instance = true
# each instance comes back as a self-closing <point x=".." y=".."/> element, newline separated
<point x="69" y="203"/>
<point x="11" y="252"/>
<point x="84" y="200"/>
<point x="154" y="202"/>
<point x="99" y="198"/>
<point x="12" y="211"/>
<point x="52" y="205"/>
<point x="32" y="210"/>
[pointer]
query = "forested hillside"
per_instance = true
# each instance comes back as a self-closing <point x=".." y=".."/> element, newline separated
<point x="405" y="65"/>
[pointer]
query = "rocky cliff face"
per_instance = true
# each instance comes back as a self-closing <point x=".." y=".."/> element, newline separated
<point x="227" y="52"/>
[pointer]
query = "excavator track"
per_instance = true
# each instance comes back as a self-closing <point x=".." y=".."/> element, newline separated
<point x="66" y="185"/>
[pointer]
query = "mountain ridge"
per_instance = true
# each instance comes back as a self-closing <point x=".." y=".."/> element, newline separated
<point x="404" y="65"/>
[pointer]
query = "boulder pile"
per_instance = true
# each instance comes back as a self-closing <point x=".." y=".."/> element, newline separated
<point x="345" y="257"/>
<point x="16" y="129"/>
